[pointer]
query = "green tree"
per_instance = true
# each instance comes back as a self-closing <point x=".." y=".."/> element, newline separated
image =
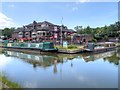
<point x="8" y="32"/>
<point x="79" y="29"/>
<point x="101" y="33"/>
<point x="88" y="30"/>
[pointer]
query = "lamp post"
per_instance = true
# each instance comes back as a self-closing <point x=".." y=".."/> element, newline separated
<point x="61" y="35"/>
<point x="116" y="34"/>
<point x="61" y="30"/>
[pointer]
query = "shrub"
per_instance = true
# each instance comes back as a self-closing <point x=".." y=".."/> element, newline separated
<point x="94" y="40"/>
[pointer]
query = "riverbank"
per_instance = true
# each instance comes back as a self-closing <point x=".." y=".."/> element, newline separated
<point x="6" y="83"/>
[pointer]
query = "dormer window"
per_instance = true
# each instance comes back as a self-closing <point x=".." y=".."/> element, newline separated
<point x="34" y="33"/>
<point x="43" y="25"/>
<point x="27" y="33"/>
<point x="20" y="33"/>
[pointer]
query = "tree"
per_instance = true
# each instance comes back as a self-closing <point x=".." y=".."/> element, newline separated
<point x="79" y="29"/>
<point x="88" y="30"/>
<point x="100" y="33"/>
<point x="8" y="32"/>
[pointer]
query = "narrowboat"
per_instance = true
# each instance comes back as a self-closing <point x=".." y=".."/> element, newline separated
<point x="100" y="47"/>
<point x="43" y="47"/>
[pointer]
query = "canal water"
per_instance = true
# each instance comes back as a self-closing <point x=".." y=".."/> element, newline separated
<point x="61" y="70"/>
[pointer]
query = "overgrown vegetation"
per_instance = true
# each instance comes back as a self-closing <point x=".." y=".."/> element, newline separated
<point x="9" y="83"/>
<point x="7" y="32"/>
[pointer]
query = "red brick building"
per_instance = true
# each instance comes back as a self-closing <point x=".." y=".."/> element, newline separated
<point x="40" y="31"/>
<point x="46" y="31"/>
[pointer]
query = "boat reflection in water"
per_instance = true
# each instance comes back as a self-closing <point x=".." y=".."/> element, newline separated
<point x="62" y="70"/>
<point x="36" y="60"/>
<point x="49" y="60"/>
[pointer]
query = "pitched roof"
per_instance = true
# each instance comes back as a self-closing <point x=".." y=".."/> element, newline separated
<point x="44" y="29"/>
<point x="39" y="23"/>
<point x="27" y="30"/>
<point x="19" y="29"/>
<point x="71" y="30"/>
<point x="47" y="23"/>
<point x="31" y="24"/>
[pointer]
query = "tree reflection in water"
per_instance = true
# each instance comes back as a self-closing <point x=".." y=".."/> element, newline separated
<point x="113" y="59"/>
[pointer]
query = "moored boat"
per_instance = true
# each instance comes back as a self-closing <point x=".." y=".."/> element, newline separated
<point x="44" y="46"/>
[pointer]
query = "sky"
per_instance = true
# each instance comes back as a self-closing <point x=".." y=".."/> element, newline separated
<point x="71" y="14"/>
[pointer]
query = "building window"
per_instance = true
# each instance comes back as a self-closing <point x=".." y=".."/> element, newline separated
<point x="38" y="33"/>
<point x="51" y="33"/>
<point x="33" y="33"/>
<point x="55" y="28"/>
<point x="43" y="33"/>
<point x="48" y="34"/>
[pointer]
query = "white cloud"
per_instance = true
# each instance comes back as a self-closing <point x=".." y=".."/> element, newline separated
<point x="5" y="21"/>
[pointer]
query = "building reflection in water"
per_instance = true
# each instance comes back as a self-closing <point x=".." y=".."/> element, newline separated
<point x="34" y="65"/>
<point x="49" y="60"/>
<point x="71" y="64"/>
<point x="55" y="66"/>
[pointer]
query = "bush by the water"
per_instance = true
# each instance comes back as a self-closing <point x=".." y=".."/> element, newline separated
<point x="94" y="40"/>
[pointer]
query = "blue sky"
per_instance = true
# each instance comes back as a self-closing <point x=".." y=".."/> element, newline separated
<point x="93" y="14"/>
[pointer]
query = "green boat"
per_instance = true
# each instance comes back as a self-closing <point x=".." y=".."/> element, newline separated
<point x="44" y="46"/>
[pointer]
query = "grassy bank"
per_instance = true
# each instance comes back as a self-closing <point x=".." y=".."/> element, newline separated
<point x="70" y="47"/>
<point x="8" y="83"/>
<point x="0" y="87"/>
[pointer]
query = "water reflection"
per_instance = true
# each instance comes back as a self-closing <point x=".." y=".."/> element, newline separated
<point x="62" y="70"/>
<point x="47" y="60"/>
<point x="111" y="57"/>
